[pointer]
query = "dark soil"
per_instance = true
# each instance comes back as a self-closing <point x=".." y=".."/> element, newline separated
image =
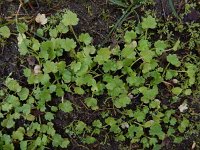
<point x="96" y="17"/>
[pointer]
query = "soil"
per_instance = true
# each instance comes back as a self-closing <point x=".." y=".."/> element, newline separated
<point x="96" y="17"/>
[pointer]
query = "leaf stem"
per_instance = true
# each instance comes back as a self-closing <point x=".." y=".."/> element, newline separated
<point x="72" y="30"/>
<point x="136" y="61"/>
<point x="146" y="34"/>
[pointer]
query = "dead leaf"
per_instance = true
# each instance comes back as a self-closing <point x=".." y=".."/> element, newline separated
<point x="31" y="60"/>
<point x="37" y="69"/>
<point x="193" y="145"/>
<point x="41" y="19"/>
<point x="183" y="107"/>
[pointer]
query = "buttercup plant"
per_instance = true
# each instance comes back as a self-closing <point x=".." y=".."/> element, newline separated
<point x="120" y="83"/>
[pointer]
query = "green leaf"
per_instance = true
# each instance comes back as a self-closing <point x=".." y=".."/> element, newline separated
<point x="36" y="44"/>
<point x="79" y="90"/>
<point x="57" y="140"/>
<point x="148" y="123"/>
<point x="148" y="94"/>
<point x="160" y="46"/>
<point x="75" y="66"/>
<point x="168" y="114"/>
<point x="92" y="103"/>
<point x="65" y="143"/>
<point x="122" y="101"/>
<point x="131" y="131"/>
<point x="176" y="45"/>
<point x="173" y="121"/>
<point x="139" y="115"/>
<point x="26" y="109"/>
<point x="153" y="141"/>
<point x="44" y="95"/>
<point x="22" y="27"/>
<point x="5" y="32"/>
<point x="23" y="145"/>
<point x="143" y="45"/>
<point x="49" y="67"/>
<point x="45" y="47"/>
<point x="155" y="104"/>
<point x="157" y="78"/>
<point x="62" y="28"/>
<point x="110" y="65"/>
<point x="12" y="85"/>
<point x="177" y="90"/>
<point x="178" y="139"/>
<point x="115" y="86"/>
<point x="110" y="121"/>
<point x="23" y="46"/>
<point x="43" y="78"/>
<point x="8" y="122"/>
<point x="8" y="147"/>
<point x="13" y="100"/>
<point x="191" y="72"/>
<point x="129" y="36"/>
<point x="145" y="142"/>
<point x="115" y="129"/>
<point x="19" y="134"/>
<point x="49" y="116"/>
<point x="53" y="33"/>
<point x="135" y="80"/>
<point x="149" y="23"/>
<point x="89" y="50"/>
<point x="156" y="129"/>
<point x="85" y="38"/>
<point x="61" y="65"/>
<point x="173" y="59"/>
<point x="128" y="52"/>
<point x="66" y="106"/>
<point x="6" y="107"/>
<point x="23" y="94"/>
<point x="54" y="109"/>
<point x="1" y="115"/>
<point x="44" y="139"/>
<point x="68" y="44"/>
<point x="40" y="32"/>
<point x="188" y="92"/>
<point x="67" y="76"/>
<point x="89" y="140"/>
<point x="170" y="74"/>
<point x="2" y="93"/>
<point x="70" y="18"/>
<point x="170" y="131"/>
<point x="59" y="90"/>
<point x="184" y="124"/>
<point x="80" y="126"/>
<point x="97" y="123"/>
<point x="120" y="138"/>
<point x="102" y="56"/>
<point x="139" y="132"/>
<point x="147" y="55"/>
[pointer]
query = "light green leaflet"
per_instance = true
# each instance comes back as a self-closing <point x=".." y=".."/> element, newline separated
<point x="70" y="18"/>
<point x="149" y="23"/>
<point x="5" y="32"/>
